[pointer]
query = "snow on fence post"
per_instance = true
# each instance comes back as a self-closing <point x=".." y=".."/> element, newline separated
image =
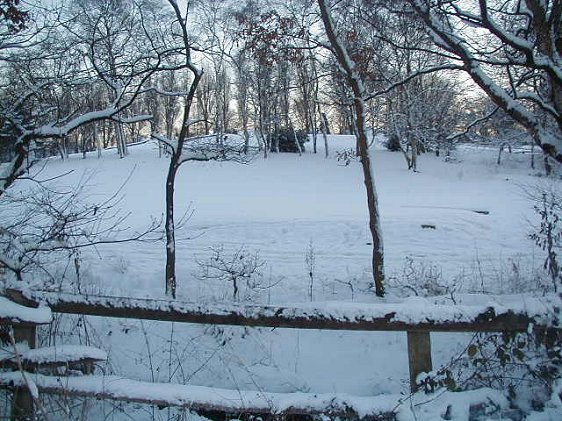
<point x="419" y="355"/>
<point x="22" y="400"/>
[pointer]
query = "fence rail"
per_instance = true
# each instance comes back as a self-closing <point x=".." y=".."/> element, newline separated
<point x="418" y="321"/>
<point x="339" y="316"/>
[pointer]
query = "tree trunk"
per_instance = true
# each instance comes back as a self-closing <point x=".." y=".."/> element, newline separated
<point x="176" y="157"/>
<point x="97" y="140"/>
<point x="405" y="153"/>
<point x="297" y="144"/>
<point x="314" y="133"/>
<point x="171" y="281"/>
<point x="106" y="135"/>
<point x="121" y="141"/>
<point x="326" y="125"/>
<point x="359" y="93"/>
<point x="414" y="147"/>
<point x="63" y="149"/>
<point x="324" y="129"/>
<point x="372" y="199"/>
<point x="246" y="139"/>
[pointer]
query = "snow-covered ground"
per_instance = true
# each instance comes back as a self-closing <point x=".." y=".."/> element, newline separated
<point x="285" y="208"/>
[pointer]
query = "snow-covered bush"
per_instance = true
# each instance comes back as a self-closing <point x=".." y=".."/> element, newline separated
<point x="526" y="365"/>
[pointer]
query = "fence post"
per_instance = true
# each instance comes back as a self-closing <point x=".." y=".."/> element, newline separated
<point x="22" y="401"/>
<point x="419" y="355"/>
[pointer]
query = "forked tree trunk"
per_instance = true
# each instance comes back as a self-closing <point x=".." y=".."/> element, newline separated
<point x="359" y="93"/>
<point x="63" y="150"/>
<point x="406" y="156"/>
<point x="176" y="157"/>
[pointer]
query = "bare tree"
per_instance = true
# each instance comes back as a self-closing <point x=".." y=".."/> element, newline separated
<point x="267" y="35"/>
<point x="242" y="265"/>
<point x="359" y="94"/>
<point x="420" y="114"/>
<point x="118" y="40"/>
<point x="45" y="227"/>
<point x="242" y="93"/>
<point x="520" y="69"/>
<point x="176" y="147"/>
<point x="185" y="147"/>
<point x="50" y="102"/>
<point x="40" y="107"/>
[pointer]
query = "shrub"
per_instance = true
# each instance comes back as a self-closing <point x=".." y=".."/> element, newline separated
<point x="548" y="236"/>
<point x="286" y="140"/>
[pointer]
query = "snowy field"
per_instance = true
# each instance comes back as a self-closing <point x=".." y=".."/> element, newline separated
<point x="285" y="209"/>
<point x="286" y="205"/>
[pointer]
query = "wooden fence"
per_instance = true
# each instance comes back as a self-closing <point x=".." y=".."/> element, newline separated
<point x="418" y="323"/>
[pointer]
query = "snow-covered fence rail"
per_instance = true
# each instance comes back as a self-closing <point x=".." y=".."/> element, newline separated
<point x="417" y="317"/>
<point x="23" y="321"/>
<point x="23" y="357"/>
<point x="214" y="403"/>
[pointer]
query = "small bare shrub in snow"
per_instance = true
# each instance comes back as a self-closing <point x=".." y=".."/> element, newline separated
<point x="347" y="156"/>
<point x="310" y="261"/>
<point x="241" y="267"/>
<point x="349" y="282"/>
<point x="421" y="279"/>
<point x="353" y="284"/>
<point x="514" y="275"/>
<point x="526" y="277"/>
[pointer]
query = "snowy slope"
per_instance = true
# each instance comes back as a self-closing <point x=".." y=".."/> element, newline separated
<point x="281" y="205"/>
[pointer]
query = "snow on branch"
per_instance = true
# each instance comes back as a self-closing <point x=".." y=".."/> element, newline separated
<point x="162" y="92"/>
<point x="418" y="73"/>
<point x="531" y="57"/>
<point x="16" y="168"/>
<point x="53" y="130"/>
<point x="134" y="119"/>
